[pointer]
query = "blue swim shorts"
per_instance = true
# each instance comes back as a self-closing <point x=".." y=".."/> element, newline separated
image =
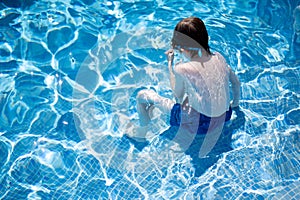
<point x="194" y="120"/>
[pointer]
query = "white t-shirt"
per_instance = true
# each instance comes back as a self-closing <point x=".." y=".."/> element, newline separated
<point x="207" y="84"/>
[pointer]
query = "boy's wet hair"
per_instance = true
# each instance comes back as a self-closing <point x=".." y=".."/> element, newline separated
<point x="190" y="33"/>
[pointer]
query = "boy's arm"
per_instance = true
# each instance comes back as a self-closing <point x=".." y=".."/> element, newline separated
<point x="176" y="81"/>
<point x="170" y="57"/>
<point x="235" y="82"/>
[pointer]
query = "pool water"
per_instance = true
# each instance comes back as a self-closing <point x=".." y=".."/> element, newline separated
<point x="69" y="73"/>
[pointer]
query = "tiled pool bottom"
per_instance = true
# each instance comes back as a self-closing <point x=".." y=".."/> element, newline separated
<point x="60" y="113"/>
<point x="45" y="168"/>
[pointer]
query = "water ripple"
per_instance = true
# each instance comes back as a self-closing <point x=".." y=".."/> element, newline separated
<point x="68" y="77"/>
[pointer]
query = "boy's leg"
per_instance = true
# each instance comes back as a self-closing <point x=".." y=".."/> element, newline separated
<point x="147" y="100"/>
<point x="143" y="112"/>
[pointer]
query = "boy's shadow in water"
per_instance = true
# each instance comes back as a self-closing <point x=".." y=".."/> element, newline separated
<point x="222" y="145"/>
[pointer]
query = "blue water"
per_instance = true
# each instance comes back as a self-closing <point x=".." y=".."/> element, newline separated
<point x="69" y="70"/>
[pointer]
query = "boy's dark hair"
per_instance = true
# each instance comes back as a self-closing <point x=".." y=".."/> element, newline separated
<point x="191" y="33"/>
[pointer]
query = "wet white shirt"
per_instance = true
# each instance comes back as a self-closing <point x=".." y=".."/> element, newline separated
<point x="206" y="84"/>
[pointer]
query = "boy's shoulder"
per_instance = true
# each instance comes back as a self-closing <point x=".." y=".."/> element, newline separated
<point x="181" y="67"/>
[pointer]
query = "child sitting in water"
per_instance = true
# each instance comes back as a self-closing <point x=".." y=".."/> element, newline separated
<point x="200" y="86"/>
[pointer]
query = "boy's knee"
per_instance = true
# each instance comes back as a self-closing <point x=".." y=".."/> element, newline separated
<point x="145" y="95"/>
<point x="140" y="95"/>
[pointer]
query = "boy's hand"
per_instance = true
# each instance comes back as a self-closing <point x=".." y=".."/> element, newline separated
<point x="170" y="55"/>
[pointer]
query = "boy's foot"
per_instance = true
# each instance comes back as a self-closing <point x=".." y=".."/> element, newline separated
<point x="136" y="132"/>
<point x="136" y="135"/>
<point x="140" y="145"/>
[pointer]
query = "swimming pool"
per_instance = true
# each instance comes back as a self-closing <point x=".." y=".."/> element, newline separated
<point x="69" y="72"/>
